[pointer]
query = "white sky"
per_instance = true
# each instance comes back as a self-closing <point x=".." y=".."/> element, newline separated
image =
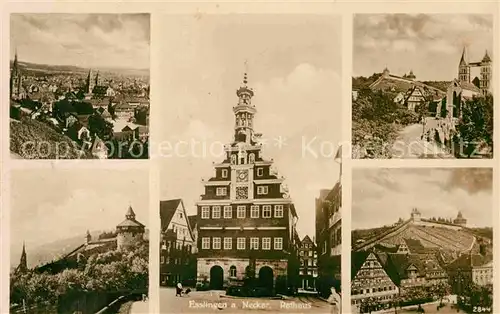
<point x="430" y="45"/>
<point x="50" y="204"/>
<point x="294" y="67"/>
<point x="86" y="40"/>
<point x="381" y="196"/>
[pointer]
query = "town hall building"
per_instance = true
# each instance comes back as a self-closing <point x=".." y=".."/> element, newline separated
<point x="246" y="221"/>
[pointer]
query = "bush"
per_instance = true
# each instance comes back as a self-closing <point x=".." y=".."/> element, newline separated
<point x="202" y="286"/>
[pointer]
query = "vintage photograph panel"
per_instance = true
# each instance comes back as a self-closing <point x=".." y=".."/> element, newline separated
<point x="422" y="240"/>
<point x="79" y="86"/>
<point x="79" y="244"/>
<point x="254" y="93"/>
<point x="422" y="86"/>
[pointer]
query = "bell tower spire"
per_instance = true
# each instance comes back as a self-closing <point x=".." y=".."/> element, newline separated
<point x="464" y="68"/>
<point x="23" y="263"/>
<point x="244" y="111"/>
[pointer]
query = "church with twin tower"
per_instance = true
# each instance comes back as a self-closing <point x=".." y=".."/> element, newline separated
<point x="246" y="219"/>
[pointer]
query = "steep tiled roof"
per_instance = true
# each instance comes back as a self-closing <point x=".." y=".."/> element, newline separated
<point x="167" y="211"/>
<point x="469" y="86"/>
<point x="467" y="261"/>
<point x="192" y="221"/>
<point x="357" y="260"/>
<point x="130" y="223"/>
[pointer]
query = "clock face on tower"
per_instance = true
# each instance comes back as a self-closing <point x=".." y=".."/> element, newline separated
<point x="242" y="175"/>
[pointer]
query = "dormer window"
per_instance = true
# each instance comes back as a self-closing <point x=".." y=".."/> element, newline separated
<point x="251" y="158"/>
<point x="262" y="190"/>
<point x="221" y="191"/>
<point x="224" y="173"/>
<point x="260" y="172"/>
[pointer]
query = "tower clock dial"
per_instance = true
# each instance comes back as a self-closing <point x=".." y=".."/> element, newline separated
<point x="242" y="175"/>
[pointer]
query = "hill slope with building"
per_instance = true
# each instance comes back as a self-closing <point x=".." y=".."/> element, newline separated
<point x="55" y="145"/>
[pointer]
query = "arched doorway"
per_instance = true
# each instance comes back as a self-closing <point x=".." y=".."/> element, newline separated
<point x="216" y="277"/>
<point x="266" y="277"/>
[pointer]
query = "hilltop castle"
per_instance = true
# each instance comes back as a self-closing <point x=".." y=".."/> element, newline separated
<point x="128" y="235"/>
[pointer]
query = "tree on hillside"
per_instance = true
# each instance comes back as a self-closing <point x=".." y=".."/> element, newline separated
<point x="98" y="125"/>
<point x="476" y="125"/>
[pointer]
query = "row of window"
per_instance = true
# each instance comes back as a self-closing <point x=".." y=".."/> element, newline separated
<point x="241" y="211"/>
<point x="225" y="172"/>
<point x="373" y="290"/>
<point x="310" y="262"/>
<point x="309" y="272"/>
<point x="243" y="159"/>
<point x="240" y="243"/>
<point x="310" y="253"/>
<point x="176" y="261"/>
<point x="261" y="190"/>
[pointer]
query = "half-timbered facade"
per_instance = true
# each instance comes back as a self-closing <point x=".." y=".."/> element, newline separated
<point x="177" y="260"/>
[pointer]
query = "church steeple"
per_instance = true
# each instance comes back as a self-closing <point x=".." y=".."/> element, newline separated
<point x="464" y="68"/>
<point x="23" y="263"/>
<point x="244" y="112"/>
<point x="16" y="64"/>
<point x="463" y="59"/>
<point x="90" y="83"/>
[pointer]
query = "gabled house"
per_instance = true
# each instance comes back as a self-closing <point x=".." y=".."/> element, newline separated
<point x="177" y="262"/>
<point x="369" y="279"/>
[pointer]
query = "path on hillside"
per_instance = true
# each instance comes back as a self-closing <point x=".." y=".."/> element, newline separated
<point x="409" y="145"/>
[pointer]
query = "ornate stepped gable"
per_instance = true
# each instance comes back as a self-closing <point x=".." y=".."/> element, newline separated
<point x="244" y="174"/>
<point x="246" y="194"/>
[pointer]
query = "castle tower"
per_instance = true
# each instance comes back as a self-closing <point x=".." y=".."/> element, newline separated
<point x="386" y="72"/>
<point x="23" y="263"/>
<point x="129" y="232"/>
<point x="415" y="215"/>
<point x="411" y="76"/>
<point x="460" y="220"/>
<point x="485" y="80"/>
<point x="464" y="68"/>
<point x="244" y="113"/>
<point x="88" y="237"/>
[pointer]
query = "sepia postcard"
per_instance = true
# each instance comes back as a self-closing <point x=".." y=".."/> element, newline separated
<point x="229" y="157"/>
<point x="79" y="86"/>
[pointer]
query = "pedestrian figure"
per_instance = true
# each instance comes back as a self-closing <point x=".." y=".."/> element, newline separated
<point x="178" y="290"/>
<point x="335" y="301"/>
